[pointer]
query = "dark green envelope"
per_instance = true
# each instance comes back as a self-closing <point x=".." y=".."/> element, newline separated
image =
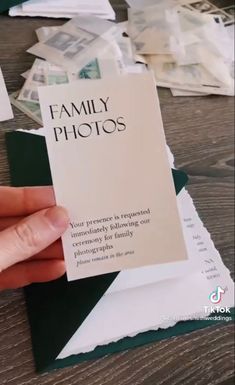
<point x="6" y="4"/>
<point x="56" y="309"/>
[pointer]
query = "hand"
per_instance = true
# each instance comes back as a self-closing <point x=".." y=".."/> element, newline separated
<point x="30" y="228"/>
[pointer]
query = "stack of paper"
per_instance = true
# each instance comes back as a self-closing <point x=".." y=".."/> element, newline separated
<point x="62" y="8"/>
<point x="86" y="47"/>
<point x="188" y="46"/>
<point x="190" y="49"/>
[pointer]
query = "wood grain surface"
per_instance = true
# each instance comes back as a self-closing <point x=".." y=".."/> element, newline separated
<point x="200" y="133"/>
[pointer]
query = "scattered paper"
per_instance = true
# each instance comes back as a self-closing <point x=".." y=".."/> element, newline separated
<point x="115" y="59"/>
<point x="186" y="43"/>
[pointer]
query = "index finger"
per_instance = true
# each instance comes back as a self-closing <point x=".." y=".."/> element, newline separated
<point x="20" y="201"/>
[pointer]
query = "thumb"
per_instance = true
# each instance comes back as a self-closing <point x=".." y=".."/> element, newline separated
<point x="31" y="235"/>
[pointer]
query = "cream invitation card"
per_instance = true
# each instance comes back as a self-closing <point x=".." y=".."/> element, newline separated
<point x="110" y="169"/>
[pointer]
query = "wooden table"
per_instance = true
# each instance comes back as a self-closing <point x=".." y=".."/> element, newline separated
<point x="200" y="132"/>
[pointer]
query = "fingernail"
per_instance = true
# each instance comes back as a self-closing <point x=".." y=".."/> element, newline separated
<point x="58" y="217"/>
